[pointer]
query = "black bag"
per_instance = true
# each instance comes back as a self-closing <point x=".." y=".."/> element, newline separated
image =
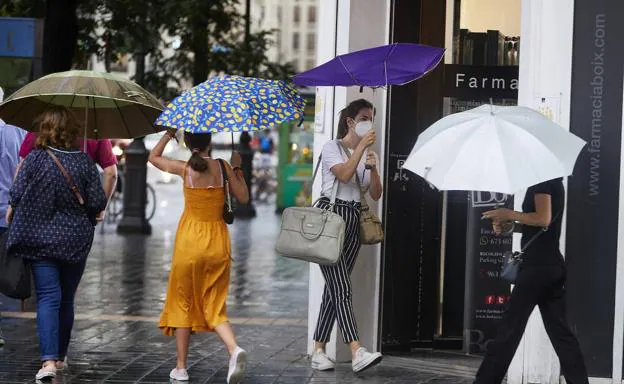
<point x="513" y="261"/>
<point x="14" y="273"/>
<point x="228" y="212"/>
<point x="511" y="267"/>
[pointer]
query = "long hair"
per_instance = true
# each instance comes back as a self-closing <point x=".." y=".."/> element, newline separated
<point x="350" y="111"/>
<point x="197" y="142"/>
<point x="58" y="127"/>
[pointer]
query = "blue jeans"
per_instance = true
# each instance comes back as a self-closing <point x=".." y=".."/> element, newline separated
<point x="55" y="284"/>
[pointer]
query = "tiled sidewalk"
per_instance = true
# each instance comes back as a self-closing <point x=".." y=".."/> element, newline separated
<point x="116" y="339"/>
<point x="110" y="351"/>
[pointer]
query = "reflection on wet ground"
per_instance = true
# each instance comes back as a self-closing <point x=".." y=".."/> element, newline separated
<point x="116" y="339"/>
<point x="136" y="352"/>
<point x="127" y="275"/>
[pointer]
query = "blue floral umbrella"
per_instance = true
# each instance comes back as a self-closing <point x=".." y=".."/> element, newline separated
<point x="233" y="104"/>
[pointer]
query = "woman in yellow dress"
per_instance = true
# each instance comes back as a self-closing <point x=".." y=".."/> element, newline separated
<point x="200" y="270"/>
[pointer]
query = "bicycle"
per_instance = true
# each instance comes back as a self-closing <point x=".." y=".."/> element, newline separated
<point x="114" y="211"/>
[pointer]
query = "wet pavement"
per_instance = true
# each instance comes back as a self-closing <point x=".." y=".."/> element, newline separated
<point x="115" y="339"/>
<point x="127" y="275"/>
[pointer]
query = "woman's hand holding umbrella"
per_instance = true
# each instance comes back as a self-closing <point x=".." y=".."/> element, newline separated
<point x="502" y="219"/>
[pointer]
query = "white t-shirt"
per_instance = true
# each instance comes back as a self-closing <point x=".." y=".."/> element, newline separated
<point x="333" y="155"/>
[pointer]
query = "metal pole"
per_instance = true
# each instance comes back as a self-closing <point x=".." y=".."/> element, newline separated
<point x="247" y="20"/>
<point x="440" y="309"/>
<point x="135" y="186"/>
<point x="86" y="125"/>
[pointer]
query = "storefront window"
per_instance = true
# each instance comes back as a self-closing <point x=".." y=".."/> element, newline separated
<point x="480" y="67"/>
<point x="295" y="159"/>
<point x="484" y="54"/>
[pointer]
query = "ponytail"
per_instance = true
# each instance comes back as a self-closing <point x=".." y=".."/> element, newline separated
<point x="198" y="163"/>
<point x="197" y="142"/>
<point x="350" y="111"/>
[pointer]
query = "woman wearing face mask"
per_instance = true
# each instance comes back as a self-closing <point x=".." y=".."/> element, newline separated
<point x="355" y="134"/>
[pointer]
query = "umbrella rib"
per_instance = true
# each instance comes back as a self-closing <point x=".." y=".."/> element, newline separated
<point x="386" y="61"/>
<point x="346" y="69"/>
<point x="123" y="119"/>
<point x="95" y="129"/>
<point x="151" y="124"/>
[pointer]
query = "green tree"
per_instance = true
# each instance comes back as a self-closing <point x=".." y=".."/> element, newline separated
<point x="248" y="58"/>
<point x="210" y="35"/>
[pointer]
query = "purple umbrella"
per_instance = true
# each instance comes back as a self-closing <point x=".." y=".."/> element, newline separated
<point x="393" y="64"/>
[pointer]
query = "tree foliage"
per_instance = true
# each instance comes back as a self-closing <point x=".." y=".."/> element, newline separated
<point x="208" y="34"/>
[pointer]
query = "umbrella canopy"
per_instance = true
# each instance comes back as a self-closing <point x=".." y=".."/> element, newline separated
<point x="233" y="104"/>
<point x="111" y="106"/>
<point x="393" y="64"/>
<point x="495" y="149"/>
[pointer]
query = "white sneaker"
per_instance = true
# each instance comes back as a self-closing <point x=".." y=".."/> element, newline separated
<point x="179" y="374"/>
<point x="364" y="360"/>
<point x="322" y="362"/>
<point x="238" y="362"/>
<point x="47" y="372"/>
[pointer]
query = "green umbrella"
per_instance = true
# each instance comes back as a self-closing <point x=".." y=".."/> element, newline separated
<point x="110" y="106"/>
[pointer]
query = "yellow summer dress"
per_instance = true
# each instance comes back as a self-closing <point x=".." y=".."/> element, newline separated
<point x="200" y="271"/>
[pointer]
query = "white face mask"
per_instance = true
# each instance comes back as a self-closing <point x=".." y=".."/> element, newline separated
<point x="363" y="127"/>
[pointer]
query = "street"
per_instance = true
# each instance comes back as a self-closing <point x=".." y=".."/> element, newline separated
<point x="116" y="340"/>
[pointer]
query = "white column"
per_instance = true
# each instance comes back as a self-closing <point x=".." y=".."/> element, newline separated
<point x="346" y="26"/>
<point x="325" y="119"/>
<point x="618" y="329"/>
<point x="545" y="73"/>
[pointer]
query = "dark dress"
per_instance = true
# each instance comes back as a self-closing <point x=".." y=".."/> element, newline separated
<point x="49" y="223"/>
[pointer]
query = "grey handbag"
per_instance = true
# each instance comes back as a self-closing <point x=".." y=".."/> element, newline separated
<point x="312" y="234"/>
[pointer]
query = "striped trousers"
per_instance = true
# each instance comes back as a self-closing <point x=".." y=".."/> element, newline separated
<point x="337" y="301"/>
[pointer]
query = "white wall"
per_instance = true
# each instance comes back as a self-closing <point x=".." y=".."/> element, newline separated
<point x="545" y="72"/>
<point x="481" y="15"/>
<point x="346" y="26"/>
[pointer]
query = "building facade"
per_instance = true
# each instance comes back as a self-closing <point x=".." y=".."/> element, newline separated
<point x="295" y="23"/>
<point x="427" y="286"/>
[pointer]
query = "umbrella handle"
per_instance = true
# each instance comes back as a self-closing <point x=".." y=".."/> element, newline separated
<point x="86" y="125"/>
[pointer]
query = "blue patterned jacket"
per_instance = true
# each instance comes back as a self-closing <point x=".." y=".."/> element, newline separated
<point x="48" y="221"/>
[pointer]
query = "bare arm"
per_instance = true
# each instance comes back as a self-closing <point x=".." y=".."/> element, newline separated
<point x="238" y="187"/>
<point x="542" y="215"/>
<point x="376" y="189"/>
<point x="540" y="218"/>
<point x="110" y="181"/>
<point x="345" y="171"/>
<point x="164" y="163"/>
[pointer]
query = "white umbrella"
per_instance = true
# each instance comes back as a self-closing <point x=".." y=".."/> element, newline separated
<point x="495" y="149"/>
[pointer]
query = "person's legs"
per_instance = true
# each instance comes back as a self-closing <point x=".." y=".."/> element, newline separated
<point x="238" y="356"/>
<point x="70" y="275"/>
<point x="326" y="319"/>
<point x="183" y="337"/>
<point x="226" y="333"/>
<point x="500" y="351"/>
<point x="48" y="288"/>
<point x="563" y="340"/>
<point x="338" y="297"/>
